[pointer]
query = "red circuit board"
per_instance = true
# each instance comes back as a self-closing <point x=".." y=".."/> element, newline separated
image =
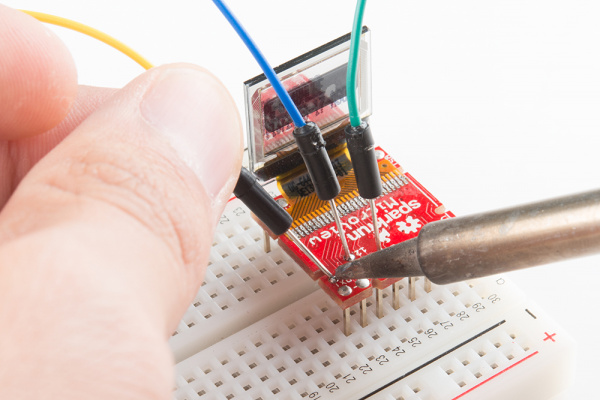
<point x="404" y="207"/>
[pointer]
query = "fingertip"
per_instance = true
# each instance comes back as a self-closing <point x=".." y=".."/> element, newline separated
<point x="37" y="76"/>
<point x="192" y="109"/>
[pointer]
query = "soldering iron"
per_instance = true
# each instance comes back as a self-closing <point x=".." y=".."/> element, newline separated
<point x="457" y="249"/>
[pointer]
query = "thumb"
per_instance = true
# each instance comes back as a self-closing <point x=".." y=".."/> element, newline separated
<point x="113" y="227"/>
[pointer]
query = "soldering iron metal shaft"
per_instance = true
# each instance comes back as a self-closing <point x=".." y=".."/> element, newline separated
<point x="485" y="244"/>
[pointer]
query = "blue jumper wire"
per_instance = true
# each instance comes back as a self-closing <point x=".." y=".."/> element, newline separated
<point x="283" y="95"/>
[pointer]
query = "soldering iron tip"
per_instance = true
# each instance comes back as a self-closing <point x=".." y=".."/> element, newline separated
<point x="349" y="271"/>
<point x="397" y="261"/>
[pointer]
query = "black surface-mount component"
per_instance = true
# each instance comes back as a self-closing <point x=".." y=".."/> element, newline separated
<point x="364" y="161"/>
<point x="256" y="198"/>
<point x="312" y="148"/>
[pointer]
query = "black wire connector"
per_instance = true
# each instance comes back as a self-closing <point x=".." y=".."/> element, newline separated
<point x="311" y="144"/>
<point x="364" y="161"/>
<point x="256" y="198"/>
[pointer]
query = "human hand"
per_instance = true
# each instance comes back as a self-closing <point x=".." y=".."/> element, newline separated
<point x="104" y="241"/>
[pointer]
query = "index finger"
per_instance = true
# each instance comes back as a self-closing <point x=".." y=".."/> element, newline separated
<point x="38" y="79"/>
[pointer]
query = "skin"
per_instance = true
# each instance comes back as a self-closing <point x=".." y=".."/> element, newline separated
<point x="107" y="210"/>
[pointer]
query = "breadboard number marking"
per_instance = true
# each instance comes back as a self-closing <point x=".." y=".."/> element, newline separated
<point x="430" y="333"/>
<point x="349" y="378"/>
<point x="414" y="342"/>
<point x="314" y="396"/>
<point x="398" y="350"/>
<point x="462" y="315"/>
<point x="494" y="298"/>
<point x="382" y="359"/>
<point x="223" y="219"/>
<point x="446" y="325"/>
<point x="332" y="387"/>
<point x="239" y="211"/>
<point x="365" y="369"/>
<point x="478" y="307"/>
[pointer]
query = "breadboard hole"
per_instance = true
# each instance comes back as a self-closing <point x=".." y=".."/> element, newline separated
<point x="239" y="272"/>
<point x="485" y="358"/>
<point x="289" y="343"/>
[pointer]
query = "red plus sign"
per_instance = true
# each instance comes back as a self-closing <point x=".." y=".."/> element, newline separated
<point x="549" y="336"/>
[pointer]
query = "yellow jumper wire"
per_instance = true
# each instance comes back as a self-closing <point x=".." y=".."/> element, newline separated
<point x="95" y="33"/>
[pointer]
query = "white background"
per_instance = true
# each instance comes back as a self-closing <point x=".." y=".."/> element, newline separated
<point x="488" y="104"/>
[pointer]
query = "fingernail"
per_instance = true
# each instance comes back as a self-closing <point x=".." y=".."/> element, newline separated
<point x="198" y="118"/>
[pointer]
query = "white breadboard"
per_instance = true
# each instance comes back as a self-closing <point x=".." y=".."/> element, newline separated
<point x="259" y="328"/>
